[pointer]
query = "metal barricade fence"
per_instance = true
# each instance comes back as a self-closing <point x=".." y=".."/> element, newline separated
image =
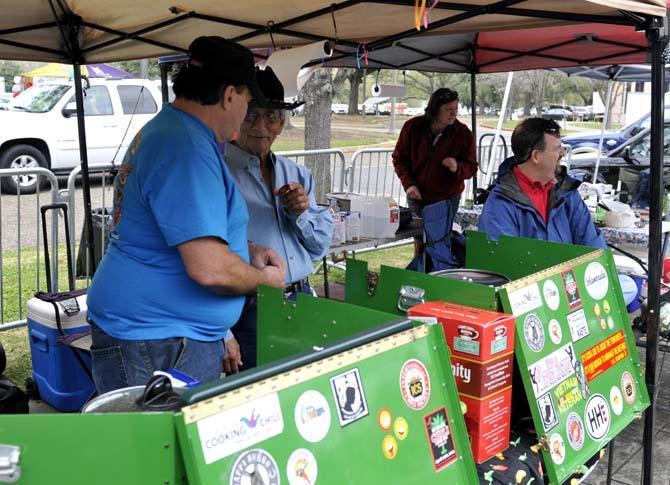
<point x="371" y="173"/>
<point x="328" y="167"/>
<point x="21" y="255"/>
<point x="102" y="200"/>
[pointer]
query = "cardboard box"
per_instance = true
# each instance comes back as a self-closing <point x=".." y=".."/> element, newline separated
<point x="482" y="360"/>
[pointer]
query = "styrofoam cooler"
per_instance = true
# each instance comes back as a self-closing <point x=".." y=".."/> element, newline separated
<point x="62" y="381"/>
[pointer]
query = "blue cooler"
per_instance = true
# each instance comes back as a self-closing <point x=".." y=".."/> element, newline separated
<point x="61" y="379"/>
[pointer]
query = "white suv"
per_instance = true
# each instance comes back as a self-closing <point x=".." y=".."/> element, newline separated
<point x="40" y="126"/>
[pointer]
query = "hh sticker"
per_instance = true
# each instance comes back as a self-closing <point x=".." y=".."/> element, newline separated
<point x="534" y="332"/>
<point x="596" y="281"/>
<point x="414" y="384"/>
<point x="301" y="468"/>
<point x="230" y="431"/>
<point x="568" y="393"/>
<point x="604" y="355"/>
<point x="255" y="466"/>
<point x="545" y="405"/>
<point x="574" y="429"/>
<point x="571" y="290"/>
<point x="628" y="387"/>
<point x="597" y="417"/>
<point x="557" y="448"/>
<point x="312" y="416"/>
<point x="400" y="428"/>
<point x="552" y="369"/>
<point x="579" y="328"/>
<point x="616" y="400"/>
<point x="440" y="438"/>
<point x="389" y="447"/>
<point x="551" y="295"/>
<point x="555" y="332"/>
<point x="349" y="396"/>
<point x="525" y="299"/>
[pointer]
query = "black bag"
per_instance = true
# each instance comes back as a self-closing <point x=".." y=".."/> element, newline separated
<point x="12" y="399"/>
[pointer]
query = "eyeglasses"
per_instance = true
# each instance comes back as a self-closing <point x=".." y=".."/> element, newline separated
<point x="270" y="117"/>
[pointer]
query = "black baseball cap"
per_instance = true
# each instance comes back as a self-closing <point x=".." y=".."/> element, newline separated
<point x="273" y="90"/>
<point x="226" y="61"/>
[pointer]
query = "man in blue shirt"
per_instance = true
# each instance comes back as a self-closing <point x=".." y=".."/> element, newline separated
<point x="174" y="278"/>
<point x="280" y="197"/>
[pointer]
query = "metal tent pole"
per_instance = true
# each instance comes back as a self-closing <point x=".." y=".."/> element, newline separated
<point x="656" y="40"/>
<point x="79" y="100"/>
<point x="606" y="119"/>
<point x="165" y="89"/>
<point x="473" y="117"/>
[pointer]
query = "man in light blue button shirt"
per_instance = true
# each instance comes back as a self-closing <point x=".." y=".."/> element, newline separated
<point x="279" y="193"/>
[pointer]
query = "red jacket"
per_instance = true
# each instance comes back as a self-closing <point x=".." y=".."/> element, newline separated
<point x="418" y="162"/>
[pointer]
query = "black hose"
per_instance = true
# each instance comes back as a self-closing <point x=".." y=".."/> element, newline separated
<point x="631" y="256"/>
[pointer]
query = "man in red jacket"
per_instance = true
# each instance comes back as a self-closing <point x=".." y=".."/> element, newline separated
<point x="434" y="155"/>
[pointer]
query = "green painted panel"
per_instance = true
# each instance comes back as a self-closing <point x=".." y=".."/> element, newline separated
<point x="383" y="412"/>
<point x="124" y="448"/>
<point x="578" y="359"/>
<point x="390" y="280"/>
<point x="286" y="327"/>
<point x="516" y="257"/>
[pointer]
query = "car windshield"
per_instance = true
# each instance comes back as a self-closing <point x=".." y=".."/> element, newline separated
<point x="40" y="98"/>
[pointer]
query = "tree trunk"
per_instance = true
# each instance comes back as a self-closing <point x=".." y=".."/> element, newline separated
<point x="354" y="83"/>
<point x="318" y="95"/>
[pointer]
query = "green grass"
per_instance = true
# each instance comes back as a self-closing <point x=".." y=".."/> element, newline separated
<point x="292" y="145"/>
<point x="15" y="341"/>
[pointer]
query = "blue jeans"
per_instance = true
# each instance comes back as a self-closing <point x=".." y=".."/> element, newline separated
<point x="245" y="330"/>
<point x="121" y="363"/>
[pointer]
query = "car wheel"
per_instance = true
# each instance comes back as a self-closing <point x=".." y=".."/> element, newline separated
<point x="22" y="156"/>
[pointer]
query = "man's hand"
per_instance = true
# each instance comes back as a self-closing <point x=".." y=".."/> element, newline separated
<point x="450" y="163"/>
<point x="274" y="276"/>
<point x="233" y="358"/>
<point x="413" y="192"/>
<point x="293" y="197"/>
<point x="260" y="257"/>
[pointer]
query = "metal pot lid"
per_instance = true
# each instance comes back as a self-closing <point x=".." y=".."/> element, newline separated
<point x="488" y="278"/>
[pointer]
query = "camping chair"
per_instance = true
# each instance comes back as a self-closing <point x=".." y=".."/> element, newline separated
<point x="442" y="248"/>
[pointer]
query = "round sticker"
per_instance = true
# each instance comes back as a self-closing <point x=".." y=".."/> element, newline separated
<point x="384" y="419"/>
<point x="255" y="466"/>
<point x="400" y="428"/>
<point x="555" y="332"/>
<point x="414" y="384"/>
<point x="389" y="447"/>
<point x="597" y="417"/>
<point x="551" y="295"/>
<point x="606" y="306"/>
<point x="574" y="429"/>
<point x="603" y="323"/>
<point x="610" y="322"/>
<point x="534" y="332"/>
<point x="557" y="448"/>
<point x="616" y="400"/>
<point x="301" y="468"/>
<point x="628" y="387"/>
<point x="312" y="416"/>
<point x="596" y="309"/>
<point x="595" y="281"/>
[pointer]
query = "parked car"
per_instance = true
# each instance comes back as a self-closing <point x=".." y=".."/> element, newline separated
<point x="5" y="100"/>
<point x="611" y="139"/>
<point x="557" y="114"/>
<point x="624" y="163"/>
<point x="40" y="126"/>
<point x="583" y="113"/>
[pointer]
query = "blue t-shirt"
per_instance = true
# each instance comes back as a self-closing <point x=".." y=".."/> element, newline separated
<point x="172" y="187"/>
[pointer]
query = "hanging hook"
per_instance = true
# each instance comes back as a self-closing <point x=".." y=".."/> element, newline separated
<point x="271" y="24"/>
